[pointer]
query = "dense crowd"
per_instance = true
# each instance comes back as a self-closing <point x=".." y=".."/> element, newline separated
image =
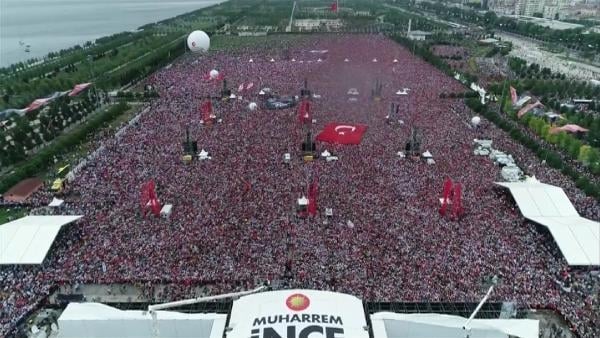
<point x="234" y="222"/>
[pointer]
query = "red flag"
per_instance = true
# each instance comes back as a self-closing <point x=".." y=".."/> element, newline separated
<point x="342" y="133"/>
<point x="334" y="6"/>
<point x="446" y="195"/>
<point x="513" y="95"/>
<point x="304" y="112"/>
<point x="206" y="110"/>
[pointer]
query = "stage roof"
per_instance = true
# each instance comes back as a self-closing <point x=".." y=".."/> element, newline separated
<point x="83" y="320"/>
<point x="578" y="238"/>
<point x="426" y="325"/>
<point x="28" y="239"/>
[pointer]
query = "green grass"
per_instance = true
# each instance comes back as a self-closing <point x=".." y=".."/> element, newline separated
<point x="6" y="213"/>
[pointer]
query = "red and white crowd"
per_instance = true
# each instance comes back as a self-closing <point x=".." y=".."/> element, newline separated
<point x="234" y="222"/>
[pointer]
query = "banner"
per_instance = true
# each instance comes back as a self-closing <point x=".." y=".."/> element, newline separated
<point x="297" y="314"/>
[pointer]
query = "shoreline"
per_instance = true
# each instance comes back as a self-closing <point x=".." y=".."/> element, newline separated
<point x="67" y="38"/>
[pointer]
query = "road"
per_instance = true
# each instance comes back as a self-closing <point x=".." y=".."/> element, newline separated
<point x="531" y="52"/>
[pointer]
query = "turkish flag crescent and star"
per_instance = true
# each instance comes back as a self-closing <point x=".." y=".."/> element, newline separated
<point x="342" y="133"/>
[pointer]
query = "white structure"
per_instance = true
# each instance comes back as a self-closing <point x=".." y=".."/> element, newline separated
<point x="56" y="202"/>
<point x="310" y="313"/>
<point x="578" y="238"/>
<point x="166" y="210"/>
<point x="87" y="320"/>
<point x="204" y="155"/>
<point x="28" y="239"/>
<point x="428" y="325"/>
<point x="283" y="313"/>
<point x="303" y="201"/>
<point x="418" y="35"/>
<point x="352" y="91"/>
<point x="307" y="25"/>
<point x="511" y="173"/>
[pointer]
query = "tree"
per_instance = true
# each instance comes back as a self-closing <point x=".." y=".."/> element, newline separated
<point x="588" y="155"/>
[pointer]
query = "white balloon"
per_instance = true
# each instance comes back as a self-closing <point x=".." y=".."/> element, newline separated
<point x="252" y="106"/>
<point x="475" y="120"/>
<point x="213" y="74"/>
<point x="198" y="41"/>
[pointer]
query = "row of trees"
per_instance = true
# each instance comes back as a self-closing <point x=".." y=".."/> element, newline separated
<point x="45" y="157"/>
<point x="25" y="133"/>
<point x="570" y="144"/>
<point x="19" y="93"/>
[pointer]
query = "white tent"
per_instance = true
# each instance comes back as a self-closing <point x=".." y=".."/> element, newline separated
<point x="303" y="201"/>
<point x="28" y="239"/>
<point x="87" y="320"/>
<point x="56" y="202"/>
<point x="578" y="238"/>
<point x="166" y="210"/>
<point x="427" y="154"/>
<point x="204" y="155"/>
<point x="434" y="325"/>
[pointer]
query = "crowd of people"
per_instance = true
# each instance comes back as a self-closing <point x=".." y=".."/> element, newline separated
<point x="234" y="222"/>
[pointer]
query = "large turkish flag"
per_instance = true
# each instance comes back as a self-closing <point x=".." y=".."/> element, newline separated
<point x="342" y="133"/>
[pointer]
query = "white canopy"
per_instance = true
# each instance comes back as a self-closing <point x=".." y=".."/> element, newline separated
<point x="427" y="325"/>
<point x="578" y="238"/>
<point x="86" y="320"/>
<point x="56" y="202"/>
<point x="203" y="155"/>
<point x="28" y="239"/>
<point x="427" y="154"/>
<point x="166" y="210"/>
<point x="303" y="201"/>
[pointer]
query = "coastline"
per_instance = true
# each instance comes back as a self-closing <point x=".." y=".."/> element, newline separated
<point x="64" y="28"/>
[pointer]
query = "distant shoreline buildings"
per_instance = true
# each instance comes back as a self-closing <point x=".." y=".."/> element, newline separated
<point x="549" y="9"/>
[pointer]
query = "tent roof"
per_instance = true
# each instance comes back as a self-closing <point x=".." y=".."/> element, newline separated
<point x="578" y="238"/>
<point x="398" y="325"/>
<point x="56" y="202"/>
<point x="28" y="239"/>
<point x="99" y="320"/>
